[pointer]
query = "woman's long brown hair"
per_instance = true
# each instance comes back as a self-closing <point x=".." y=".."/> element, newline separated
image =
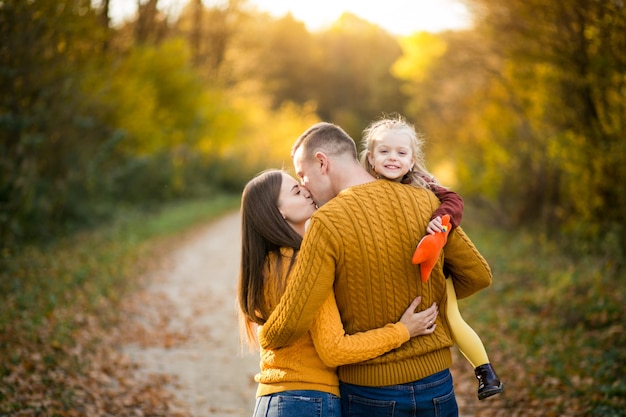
<point x="263" y="231"/>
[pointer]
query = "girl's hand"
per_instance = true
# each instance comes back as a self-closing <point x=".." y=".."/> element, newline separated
<point x="420" y="323"/>
<point x="435" y="226"/>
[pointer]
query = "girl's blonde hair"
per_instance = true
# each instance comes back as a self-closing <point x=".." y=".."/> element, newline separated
<point x="418" y="175"/>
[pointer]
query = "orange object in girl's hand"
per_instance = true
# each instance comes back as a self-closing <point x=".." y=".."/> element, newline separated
<point x="428" y="249"/>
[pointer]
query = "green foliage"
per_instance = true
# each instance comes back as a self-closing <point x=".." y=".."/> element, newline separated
<point x="288" y="77"/>
<point x="359" y="86"/>
<point x="525" y="106"/>
<point x="420" y="52"/>
<point x="561" y="67"/>
<point x="271" y="133"/>
<point x="47" y="129"/>
<point x="345" y="70"/>
<point x="525" y="112"/>
<point x="89" y="131"/>
<point x="155" y="98"/>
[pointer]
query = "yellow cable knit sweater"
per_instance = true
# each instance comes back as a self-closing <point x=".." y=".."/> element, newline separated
<point x="360" y="244"/>
<point x="310" y="363"/>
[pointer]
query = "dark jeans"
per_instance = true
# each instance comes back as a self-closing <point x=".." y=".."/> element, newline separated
<point x="432" y="396"/>
<point x="298" y="404"/>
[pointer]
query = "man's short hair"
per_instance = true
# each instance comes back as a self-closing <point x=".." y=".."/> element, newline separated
<point x="327" y="138"/>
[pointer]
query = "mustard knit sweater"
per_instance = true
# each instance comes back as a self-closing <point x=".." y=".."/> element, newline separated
<point x="360" y="244"/>
<point x="311" y="362"/>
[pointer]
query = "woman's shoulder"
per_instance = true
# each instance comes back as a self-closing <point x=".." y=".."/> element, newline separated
<point x="287" y="252"/>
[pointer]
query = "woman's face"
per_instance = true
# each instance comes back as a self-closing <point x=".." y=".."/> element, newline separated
<point x="295" y="204"/>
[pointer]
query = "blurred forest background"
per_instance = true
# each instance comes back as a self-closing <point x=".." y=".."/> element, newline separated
<point x="524" y="115"/>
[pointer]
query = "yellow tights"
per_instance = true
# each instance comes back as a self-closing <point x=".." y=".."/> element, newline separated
<point x="464" y="336"/>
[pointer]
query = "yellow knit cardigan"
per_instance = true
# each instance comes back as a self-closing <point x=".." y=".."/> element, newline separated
<point x="310" y="362"/>
<point x="359" y="246"/>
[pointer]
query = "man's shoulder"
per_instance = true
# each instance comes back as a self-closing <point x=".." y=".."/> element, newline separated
<point x="379" y="193"/>
<point x="401" y="189"/>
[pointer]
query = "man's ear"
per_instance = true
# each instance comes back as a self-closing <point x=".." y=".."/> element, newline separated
<point x="322" y="161"/>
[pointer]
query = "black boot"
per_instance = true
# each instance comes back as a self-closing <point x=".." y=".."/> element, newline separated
<point x="488" y="382"/>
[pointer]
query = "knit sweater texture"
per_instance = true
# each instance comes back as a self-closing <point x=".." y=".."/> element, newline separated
<point x="359" y="246"/>
<point x="310" y="363"/>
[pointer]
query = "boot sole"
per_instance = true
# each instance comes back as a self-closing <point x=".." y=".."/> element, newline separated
<point x="491" y="391"/>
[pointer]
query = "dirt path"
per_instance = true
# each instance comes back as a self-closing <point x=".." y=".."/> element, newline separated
<point x="191" y="320"/>
<point x="185" y="328"/>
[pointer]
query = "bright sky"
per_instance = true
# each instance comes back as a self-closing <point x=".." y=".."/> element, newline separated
<point x="399" y="17"/>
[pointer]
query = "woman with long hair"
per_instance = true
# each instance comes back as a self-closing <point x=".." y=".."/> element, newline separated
<point x="300" y="379"/>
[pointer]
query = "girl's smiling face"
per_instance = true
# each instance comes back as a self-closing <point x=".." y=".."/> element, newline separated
<point x="392" y="156"/>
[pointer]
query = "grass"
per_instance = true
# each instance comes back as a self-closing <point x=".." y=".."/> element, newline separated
<point x="93" y="265"/>
<point x="555" y="324"/>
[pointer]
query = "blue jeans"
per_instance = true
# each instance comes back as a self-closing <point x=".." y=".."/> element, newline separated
<point x="432" y="396"/>
<point x="298" y="404"/>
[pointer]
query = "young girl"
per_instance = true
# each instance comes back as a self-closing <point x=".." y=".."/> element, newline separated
<point x="392" y="150"/>
<point x="300" y="379"/>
